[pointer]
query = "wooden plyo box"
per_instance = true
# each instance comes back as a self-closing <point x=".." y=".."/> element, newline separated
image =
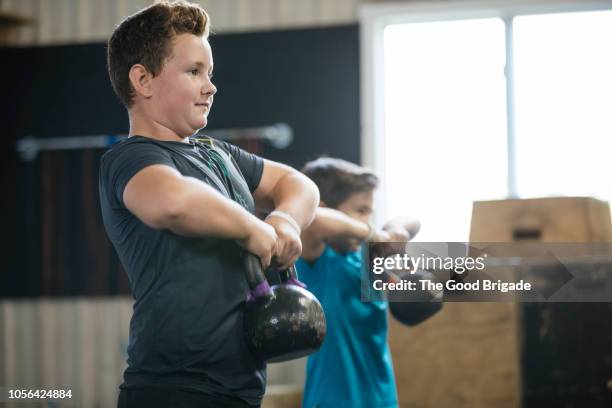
<point x="555" y="219"/>
<point x="474" y="355"/>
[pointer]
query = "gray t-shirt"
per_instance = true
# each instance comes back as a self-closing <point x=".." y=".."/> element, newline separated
<point x="186" y="329"/>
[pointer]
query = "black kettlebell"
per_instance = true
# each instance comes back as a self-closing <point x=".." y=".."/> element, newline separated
<point x="282" y="322"/>
<point x="414" y="307"/>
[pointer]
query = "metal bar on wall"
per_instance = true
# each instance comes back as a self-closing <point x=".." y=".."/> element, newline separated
<point x="279" y="135"/>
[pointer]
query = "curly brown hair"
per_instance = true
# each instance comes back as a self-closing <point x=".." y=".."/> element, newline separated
<point x="146" y="38"/>
<point x="337" y="179"/>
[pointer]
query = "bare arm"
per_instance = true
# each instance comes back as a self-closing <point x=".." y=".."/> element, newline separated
<point x="162" y="198"/>
<point x="284" y="189"/>
<point x="330" y="223"/>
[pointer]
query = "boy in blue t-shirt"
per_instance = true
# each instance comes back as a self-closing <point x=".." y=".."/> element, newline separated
<point x="353" y="368"/>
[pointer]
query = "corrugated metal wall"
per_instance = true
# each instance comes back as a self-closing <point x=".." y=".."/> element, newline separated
<point x="73" y="21"/>
<point x="78" y="344"/>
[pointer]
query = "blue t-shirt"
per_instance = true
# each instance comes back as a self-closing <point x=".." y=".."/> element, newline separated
<point x="353" y="368"/>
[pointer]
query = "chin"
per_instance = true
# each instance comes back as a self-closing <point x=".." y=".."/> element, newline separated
<point x="198" y="126"/>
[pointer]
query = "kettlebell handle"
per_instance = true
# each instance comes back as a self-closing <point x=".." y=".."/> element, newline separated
<point x="258" y="285"/>
<point x="256" y="279"/>
<point x="288" y="274"/>
<point x="253" y="271"/>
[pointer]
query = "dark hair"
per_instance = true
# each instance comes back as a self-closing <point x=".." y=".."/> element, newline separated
<point x="337" y="179"/>
<point x="146" y="38"/>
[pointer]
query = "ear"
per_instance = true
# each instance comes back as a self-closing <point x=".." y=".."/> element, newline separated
<point x="141" y="80"/>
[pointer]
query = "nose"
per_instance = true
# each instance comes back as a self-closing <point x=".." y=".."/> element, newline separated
<point x="209" y="88"/>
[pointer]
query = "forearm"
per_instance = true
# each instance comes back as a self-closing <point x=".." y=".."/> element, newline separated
<point x="297" y="196"/>
<point x="330" y="223"/>
<point x="198" y="209"/>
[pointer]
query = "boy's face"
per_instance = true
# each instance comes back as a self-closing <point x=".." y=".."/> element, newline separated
<point x="183" y="91"/>
<point x="359" y="206"/>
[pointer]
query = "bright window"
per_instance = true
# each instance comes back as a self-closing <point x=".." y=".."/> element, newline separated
<point x="447" y="136"/>
<point x="445" y="122"/>
<point x="563" y="83"/>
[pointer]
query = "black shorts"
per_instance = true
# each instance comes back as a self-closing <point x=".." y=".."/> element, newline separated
<point x="161" y="398"/>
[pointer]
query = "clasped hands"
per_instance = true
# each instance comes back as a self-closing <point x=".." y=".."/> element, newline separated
<point x="276" y="241"/>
